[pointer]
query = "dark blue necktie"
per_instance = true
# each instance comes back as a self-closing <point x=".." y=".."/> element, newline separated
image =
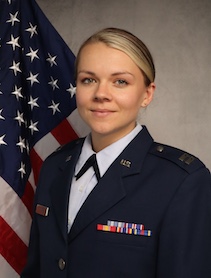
<point x="91" y="162"/>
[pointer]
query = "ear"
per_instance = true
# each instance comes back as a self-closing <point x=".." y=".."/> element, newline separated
<point x="148" y="95"/>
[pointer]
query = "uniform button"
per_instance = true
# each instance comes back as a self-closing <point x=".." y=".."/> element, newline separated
<point x="160" y="148"/>
<point x="61" y="264"/>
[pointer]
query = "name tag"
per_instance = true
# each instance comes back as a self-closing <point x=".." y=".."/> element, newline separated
<point x="42" y="210"/>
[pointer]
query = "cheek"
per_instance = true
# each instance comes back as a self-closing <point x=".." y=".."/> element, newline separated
<point x="80" y="99"/>
<point x="133" y="98"/>
<point x="131" y="104"/>
<point x="77" y="99"/>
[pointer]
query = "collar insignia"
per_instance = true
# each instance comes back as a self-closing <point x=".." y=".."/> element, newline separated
<point x="126" y="163"/>
<point x="68" y="158"/>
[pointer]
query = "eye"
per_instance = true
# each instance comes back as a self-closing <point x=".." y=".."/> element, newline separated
<point x="121" y="82"/>
<point x="88" y="80"/>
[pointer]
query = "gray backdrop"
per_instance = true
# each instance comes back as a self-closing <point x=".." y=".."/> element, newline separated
<point x="178" y="33"/>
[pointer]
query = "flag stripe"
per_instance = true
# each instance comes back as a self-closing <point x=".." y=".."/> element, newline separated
<point x="16" y="257"/>
<point x="77" y="124"/>
<point x="31" y="180"/>
<point x="46" y="145"/>
<point x="64" y="132"/>
<point x="36" y="163"/>
<point x="6" y="270"/>
<point x="17" y="217"/>
<point x="28" y="197"/>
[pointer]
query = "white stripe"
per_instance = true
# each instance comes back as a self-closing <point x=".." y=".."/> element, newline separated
<point x="6" y="270"/>
<point x="78" y="124"/>
<point x="31" y="180"/>
<point x="14" y="211"/>
<point x="46" y="145"/>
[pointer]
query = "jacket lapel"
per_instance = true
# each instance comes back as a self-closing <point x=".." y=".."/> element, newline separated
<point x="110" y="189"/>
<point x="60" y="189"/>
<point x="106" y="193"/>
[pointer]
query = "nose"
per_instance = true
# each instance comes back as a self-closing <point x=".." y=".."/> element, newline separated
<point x="102" y="92"/>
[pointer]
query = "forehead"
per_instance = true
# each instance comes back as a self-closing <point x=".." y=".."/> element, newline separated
<point x="94" y="48"/>
<point x="99" y="52"/>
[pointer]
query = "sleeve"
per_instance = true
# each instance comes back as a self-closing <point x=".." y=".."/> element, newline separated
<point x="32" y="268"/>
<point x="185" y="236"/>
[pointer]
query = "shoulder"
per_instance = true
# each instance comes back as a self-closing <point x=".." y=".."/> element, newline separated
<point x="180" y="158"/>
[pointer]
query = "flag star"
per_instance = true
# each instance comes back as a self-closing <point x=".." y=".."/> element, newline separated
<point x="22" y="169"/>
<point x="32" y="54"/>
<point x="14" y="42"/>
<point x="33" y="78"/>
<point x="13" y="18"/>
<point x="33" y="102"/>
<point x="1" y="117"/>
<point x="32" y="30"/>
<point x="51" y="60"/>
<point x="15" y="67"/>
<point x="2" y="142"/>
<point x="17" y="92"/>
<point x="33" y="127"/>
<point x="54" y="107"/>
<point x="19" y="118"/>
<point x="21" y="144"/>
<point x="53" y="83"/>
<point x="72" y="90"/>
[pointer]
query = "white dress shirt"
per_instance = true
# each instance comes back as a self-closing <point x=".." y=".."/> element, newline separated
<point x="81" y="188"/>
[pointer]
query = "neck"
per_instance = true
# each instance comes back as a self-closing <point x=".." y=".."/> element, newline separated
<point x="100" y="142"/>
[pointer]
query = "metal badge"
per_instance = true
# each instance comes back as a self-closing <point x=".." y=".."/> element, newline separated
<point x="126" y="163"/>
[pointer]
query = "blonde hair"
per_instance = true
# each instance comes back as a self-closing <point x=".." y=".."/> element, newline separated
<point x="128" y="43"/>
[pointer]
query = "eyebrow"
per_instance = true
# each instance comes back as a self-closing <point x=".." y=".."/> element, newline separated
<point x="87" y="72"/>
<point x="122" y="73"/>
<point x="113" y="74"/>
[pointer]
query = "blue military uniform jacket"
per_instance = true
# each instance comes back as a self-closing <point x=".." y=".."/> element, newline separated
<point x="149" y="216"/>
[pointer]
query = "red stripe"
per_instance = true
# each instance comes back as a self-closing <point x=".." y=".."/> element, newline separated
<point x="64" y="132"/>
<point x="28" y="197"/>
<point x="36" y="163"/>
<point x="12" y="248"/>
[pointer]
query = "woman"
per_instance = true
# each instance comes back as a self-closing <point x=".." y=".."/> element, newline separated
<point x="142" y="209"/>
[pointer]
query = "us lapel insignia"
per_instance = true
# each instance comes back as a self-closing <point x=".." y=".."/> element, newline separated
<point x="68" y="158"/>
<point x="125" y="162"/>
<point x="42" y="210"/>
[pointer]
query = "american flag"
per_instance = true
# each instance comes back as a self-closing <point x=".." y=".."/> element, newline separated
<point x="37" y="114"/>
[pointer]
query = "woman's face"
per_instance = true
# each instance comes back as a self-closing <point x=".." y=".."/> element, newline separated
<point x="110" y="91"/>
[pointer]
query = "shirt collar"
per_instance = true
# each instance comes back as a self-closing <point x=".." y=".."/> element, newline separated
<point x="106" y="156"/>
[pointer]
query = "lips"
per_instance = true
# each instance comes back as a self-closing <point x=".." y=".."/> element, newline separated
<point x="101" y="112"/>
